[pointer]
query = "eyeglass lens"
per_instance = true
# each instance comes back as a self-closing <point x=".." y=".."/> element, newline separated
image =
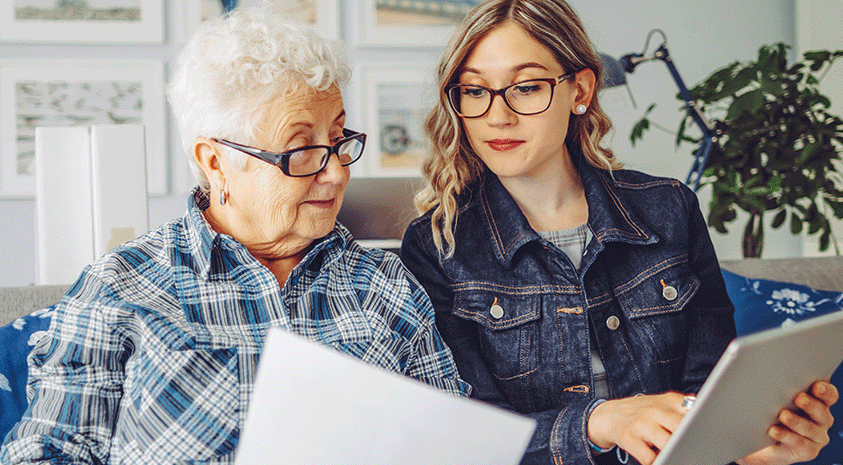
<point x="526" y="98"/>
<point x="311" y="161"/>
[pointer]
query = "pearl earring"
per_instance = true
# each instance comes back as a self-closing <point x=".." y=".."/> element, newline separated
<point x="580" y="110"/>
<point x="223" y="196"/>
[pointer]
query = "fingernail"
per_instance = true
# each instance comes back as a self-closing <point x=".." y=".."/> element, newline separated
<point x="821" y="389"/>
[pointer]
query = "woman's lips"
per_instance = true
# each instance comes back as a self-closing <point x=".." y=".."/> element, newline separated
<point x="321" y="203"/>
<point x="502" y="145"/>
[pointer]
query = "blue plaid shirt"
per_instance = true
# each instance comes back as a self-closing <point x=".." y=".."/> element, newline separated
<point x="151" y="355"/>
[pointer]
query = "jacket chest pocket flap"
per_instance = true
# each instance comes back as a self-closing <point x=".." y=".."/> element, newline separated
<point x="506" y="330"/>
<point x="496" y="310"/>
<point x="660" y="293"/>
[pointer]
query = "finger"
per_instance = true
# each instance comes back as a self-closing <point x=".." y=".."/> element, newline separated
<point x="675" y="403"/>
<point x="645" y="441"/>
<point x="655" y="436"/>
<point x="801" y="426"/>
<point x="640" y="452"/>
<point x="826" y="392"/>
<point x="636" y="442"/>
<point x="815" y="409"/>
<point x="793" y="446"/>
<point x="669" y="411"/>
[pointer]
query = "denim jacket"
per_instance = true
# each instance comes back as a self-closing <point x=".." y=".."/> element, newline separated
<point x="521" y="320"/>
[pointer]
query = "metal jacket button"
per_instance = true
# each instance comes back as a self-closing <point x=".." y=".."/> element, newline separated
<point x="669" y="293"/>
<point x="613" y="322"/>
<point x="496" y="311"/>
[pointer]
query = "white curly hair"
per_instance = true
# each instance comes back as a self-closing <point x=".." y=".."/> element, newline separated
<point x="235" y="66"/>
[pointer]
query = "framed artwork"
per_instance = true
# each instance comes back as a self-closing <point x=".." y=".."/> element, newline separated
<point x="63" y="93"/>
<point x="82" y="21"/>
<point x="396" y="98"/>
<point x="409" y="23"/>
<point x="322" y="15"/>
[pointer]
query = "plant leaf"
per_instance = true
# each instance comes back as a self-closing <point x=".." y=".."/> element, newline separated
<point x="795" y="224"/>
<point x="778" y="220"/>
<point x="825" y="239"/>
<point x="641" y="125"/>
<point x="680" y="133"/>
<point x="817" y="55"/>
<point x="748" y="102"/>
<point x="638" y="130"/>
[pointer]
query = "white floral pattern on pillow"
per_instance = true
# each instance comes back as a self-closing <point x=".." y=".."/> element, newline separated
<point x="793" y="302"/>
<point x="20" y="325"/>
<point x="17" y="339"/>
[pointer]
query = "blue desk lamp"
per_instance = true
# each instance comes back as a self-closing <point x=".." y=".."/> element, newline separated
<point x="614" y="75"/>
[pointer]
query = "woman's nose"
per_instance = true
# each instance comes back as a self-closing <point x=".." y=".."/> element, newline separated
<point x="499" y="112"/>
<point x="334" y="172"/>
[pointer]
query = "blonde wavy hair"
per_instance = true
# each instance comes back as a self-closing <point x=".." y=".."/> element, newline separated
<point x="234" y="67"/>
<point x="452" y="164"/>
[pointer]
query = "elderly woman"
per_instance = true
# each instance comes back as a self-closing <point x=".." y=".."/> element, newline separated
<point x="152" y="353"/>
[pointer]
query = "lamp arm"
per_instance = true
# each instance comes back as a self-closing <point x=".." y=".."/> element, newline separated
<point x="709" y="135"/>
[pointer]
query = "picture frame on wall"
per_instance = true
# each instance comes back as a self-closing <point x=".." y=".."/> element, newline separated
<point x="322" y="15"/>
<point x="395" y="99"/>
<point x="82" y="21"/>
<point x="78" y="93"/>
<point x="409" y="23"/>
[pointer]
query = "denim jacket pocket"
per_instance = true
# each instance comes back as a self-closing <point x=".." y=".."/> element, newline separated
<point x="184" y="405"/>
<point x="656" y="306"/>
<point x="507" y="332"/>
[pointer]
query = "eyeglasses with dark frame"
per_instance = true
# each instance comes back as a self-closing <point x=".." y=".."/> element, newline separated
<point x="308" y="160"/>
<point x="529" y="97"/>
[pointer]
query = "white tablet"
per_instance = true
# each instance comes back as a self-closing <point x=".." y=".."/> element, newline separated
<point x="754" y="379"/>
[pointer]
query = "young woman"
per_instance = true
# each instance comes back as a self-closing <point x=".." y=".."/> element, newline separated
<point x="584" y="295"/>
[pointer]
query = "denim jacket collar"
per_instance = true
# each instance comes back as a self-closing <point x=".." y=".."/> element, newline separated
<point x="608" y="216"/>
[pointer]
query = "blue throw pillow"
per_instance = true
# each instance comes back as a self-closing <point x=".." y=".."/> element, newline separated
<point x="17" y="339"/>
<point x="763" y="304"/>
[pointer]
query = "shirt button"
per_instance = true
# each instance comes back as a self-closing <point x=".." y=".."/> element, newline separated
<point x="669" y="293"/>
<point x="496" y="311"/>
<point x="613" y="322"/>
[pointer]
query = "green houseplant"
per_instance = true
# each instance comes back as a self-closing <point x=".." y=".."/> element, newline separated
<point x="778" y="149"/>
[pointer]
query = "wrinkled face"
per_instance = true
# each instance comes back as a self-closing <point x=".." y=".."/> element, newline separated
<point x="278" y="215"/>
<point x="511" y="144"/>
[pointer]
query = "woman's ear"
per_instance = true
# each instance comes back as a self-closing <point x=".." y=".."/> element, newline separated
<point x="583" y="85"/>
<point x="207" y="155"/>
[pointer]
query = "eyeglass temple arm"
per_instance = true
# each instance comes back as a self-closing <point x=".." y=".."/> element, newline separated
<point x="242" y="148"/>
<point x="271" y="157"/>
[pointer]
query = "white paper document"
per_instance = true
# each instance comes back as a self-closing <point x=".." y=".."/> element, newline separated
<point x="314" y="405"/>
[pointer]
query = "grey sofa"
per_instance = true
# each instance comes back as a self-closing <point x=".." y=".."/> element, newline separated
<point x="16" y="302"/>
<point x="824" y="273"/>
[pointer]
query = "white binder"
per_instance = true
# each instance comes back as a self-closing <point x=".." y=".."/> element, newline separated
<point x="118" y="179"/>
<point x="64" y="237"/>
<point x="90" y="195"/>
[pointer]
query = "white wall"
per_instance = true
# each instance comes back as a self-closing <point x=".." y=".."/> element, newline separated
<point x="703" y="35"/>
<point x="817" y="27"/>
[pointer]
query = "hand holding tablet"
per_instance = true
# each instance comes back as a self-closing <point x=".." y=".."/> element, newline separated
<point x="760" y="405"/>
